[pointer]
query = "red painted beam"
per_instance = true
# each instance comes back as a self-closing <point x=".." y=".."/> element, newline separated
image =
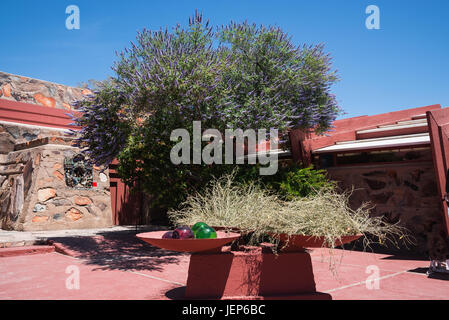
<point x="26" y="113"/>
<point x="345" y="130"/>
<point x="370" y="122"/>
<point x="438" y="130"/>
<point x="392" y="132"/>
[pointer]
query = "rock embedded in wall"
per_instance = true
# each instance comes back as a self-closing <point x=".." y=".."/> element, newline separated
<point x="27" y="175"/>
<point x="14" y="131"/>
<point x="103" y="177"/>
<point x="18" y="197"/>
<point x="45" y="101"/>
<point x="394" y="176"/>
<point x="5" y="201"/>
<point x="46" y="194"/>
<point x="39" y="207"/>
<point x="58" y="175"/>
<point x="60" y="202"/>
<point x="101" y="205"/>
<point x="40" y="219"/>
<point x="29" y="136"/>
<point x="6" y="143"/>
<point x="82" y="201"/>
<point x="382" y="198"/>
<point x="74" y="214"/>
<point x="416" y="174"/>
<point x="412" y="186"/>
<point x="6" y="89"/>
<point x="375" y="184"/>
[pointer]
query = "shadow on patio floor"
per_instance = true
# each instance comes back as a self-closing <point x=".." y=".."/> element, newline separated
<point x="394" y="253"/>
<point x="176" y="293"/>
<point x="120" y="250"/>
<point x="433" y="275"/>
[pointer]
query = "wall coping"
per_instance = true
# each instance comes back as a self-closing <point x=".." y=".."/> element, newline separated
<point x="31" y="114"/>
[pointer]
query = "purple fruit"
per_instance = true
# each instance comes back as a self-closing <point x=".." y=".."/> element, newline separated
<point x="168" y="235"/>
<point x="183" y="232"/>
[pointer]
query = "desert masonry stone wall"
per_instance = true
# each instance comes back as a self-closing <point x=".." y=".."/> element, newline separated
<point x="34" y="194"/>
<point x="403" y="192"/>
<point x="39" y="92"/>
<point x="34" y="190"/>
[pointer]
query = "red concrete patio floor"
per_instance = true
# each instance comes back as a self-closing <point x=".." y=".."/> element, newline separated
<point x="116" y="269"/>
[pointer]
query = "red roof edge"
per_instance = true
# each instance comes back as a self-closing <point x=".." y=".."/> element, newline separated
<point x="27" y="113"/>
<point x="345" y="130"/>
<point x="369" y="122"/>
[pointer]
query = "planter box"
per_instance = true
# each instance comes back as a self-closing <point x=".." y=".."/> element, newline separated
<point x="254" y="273"/>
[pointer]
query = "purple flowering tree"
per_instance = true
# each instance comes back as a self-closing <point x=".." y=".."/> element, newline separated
<point x="275" y="83"/>
<point x="239" y="76"/>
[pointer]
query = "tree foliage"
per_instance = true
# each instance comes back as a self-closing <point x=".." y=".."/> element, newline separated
<point x="237" y="76"/>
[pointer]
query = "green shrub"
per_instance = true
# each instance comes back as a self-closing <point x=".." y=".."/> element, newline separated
<point x="289" y="182"/>
<point x="302" y="182"/>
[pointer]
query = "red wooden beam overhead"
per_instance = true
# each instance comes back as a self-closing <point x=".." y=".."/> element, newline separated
<point x="26" y="113"/>
<point x="346" y="130"/>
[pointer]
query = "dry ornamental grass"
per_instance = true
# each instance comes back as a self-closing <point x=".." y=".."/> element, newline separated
<point x="252" y="209"/>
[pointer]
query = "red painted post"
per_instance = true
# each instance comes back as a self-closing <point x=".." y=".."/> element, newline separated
<point x="438" y="121"/>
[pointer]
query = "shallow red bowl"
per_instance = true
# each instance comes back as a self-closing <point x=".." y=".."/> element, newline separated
<point x="300" y="242"/>
<point x="188" y="245"/>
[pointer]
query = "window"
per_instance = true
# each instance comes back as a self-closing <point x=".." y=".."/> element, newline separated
<point x="376" y="156"/>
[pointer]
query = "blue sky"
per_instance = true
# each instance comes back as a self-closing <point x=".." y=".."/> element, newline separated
<point x="404" y="64"/>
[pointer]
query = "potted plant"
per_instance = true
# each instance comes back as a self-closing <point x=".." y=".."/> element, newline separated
<point x="321" y="219"/>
